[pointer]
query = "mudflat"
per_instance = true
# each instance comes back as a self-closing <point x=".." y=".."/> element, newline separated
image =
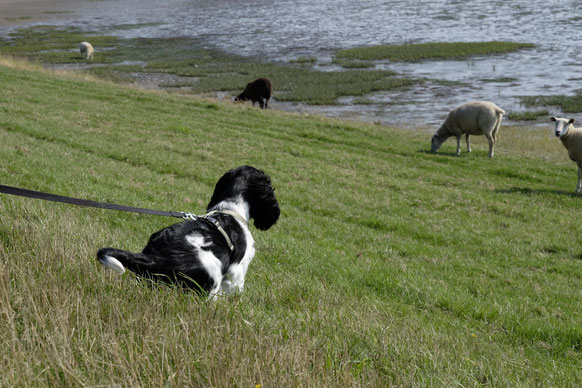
<point x="17" y="12"/>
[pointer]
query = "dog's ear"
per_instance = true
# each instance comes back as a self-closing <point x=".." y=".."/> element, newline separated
<point x="264" y="208"/>
<point x="255" y="188"/>
<point x="223" y="189"/>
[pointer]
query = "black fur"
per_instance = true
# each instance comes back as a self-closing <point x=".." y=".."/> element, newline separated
<point x="169" y="256"/>
<point x="255" y="188"/>
<point x="256" y="91"/>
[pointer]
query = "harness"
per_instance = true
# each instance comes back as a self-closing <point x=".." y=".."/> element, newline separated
<point x="217" y="225"/>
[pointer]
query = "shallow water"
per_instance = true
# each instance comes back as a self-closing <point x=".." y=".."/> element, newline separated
<point x="285" y="29"/>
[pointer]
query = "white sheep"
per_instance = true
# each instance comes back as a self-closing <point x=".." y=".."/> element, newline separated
<point x="86" y="50"/>
<point x="571" y="139"/>
<point x="472" y="118"/>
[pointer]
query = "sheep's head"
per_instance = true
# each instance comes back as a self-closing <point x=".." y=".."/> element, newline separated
<point x="435" y="143"/>
<point x="561" y="125"/>
<point x="241" y="97"/>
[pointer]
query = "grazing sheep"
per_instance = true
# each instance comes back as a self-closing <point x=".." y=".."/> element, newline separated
<point x="256" y="91"/>
<point x="571" y="139"/>
<point x="86" y="50"/>
<point x="472" y="118"/>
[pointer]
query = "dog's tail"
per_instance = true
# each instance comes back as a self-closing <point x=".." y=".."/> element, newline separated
<point x="117" y="259"/>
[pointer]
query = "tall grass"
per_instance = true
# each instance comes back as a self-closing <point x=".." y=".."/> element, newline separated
<point x="389" y="265"/>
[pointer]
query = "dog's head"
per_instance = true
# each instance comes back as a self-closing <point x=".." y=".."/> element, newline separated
<point x="254" y="187"/>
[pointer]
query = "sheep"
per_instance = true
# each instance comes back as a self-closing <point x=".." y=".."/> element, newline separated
<point x="472" y="118"/>
<point x="571" y="139"/>
<point x="256" y="91"/>
<point x="86" y="50"/>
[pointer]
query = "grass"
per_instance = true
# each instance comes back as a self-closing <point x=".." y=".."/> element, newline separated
<point x="528" y="115"/>
<point x="430" y="51"/>
<point x="50" y="44"/>
<point x="353" y="64"/>
<point x="567" y="104"/>
<point x="291" y="84"/>
<point x="199" y="70"/>
<point x="390" y="266"/>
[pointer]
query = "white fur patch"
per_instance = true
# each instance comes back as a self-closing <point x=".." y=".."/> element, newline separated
<point x="211" y="264"/>
<point x="112" y="263"/>
<point x="196" y="240"/>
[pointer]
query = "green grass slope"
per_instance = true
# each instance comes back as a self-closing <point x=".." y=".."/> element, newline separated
<point x="389" y="265"/>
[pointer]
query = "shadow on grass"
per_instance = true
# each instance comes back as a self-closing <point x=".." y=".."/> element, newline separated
<point x="446" y="154"/>
<point x="429" y="152"/>
<point x="530" y="191"/>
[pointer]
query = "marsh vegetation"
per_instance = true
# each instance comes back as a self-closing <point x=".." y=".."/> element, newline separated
<point x="428" y="51"/>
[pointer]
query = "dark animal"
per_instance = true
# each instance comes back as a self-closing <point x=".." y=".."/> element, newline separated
<point x="212" y="253"/>
<point x="256" y="91"/>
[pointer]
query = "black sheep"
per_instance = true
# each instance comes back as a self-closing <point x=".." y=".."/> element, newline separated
<point x="256" y="91"/>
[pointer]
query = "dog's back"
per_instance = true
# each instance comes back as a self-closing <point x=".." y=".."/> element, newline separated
<point x="192" y="254"/>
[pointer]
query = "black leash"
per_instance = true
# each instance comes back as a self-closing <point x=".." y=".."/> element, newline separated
<point x="112" y="206"/>
<point x="88" y="203"/>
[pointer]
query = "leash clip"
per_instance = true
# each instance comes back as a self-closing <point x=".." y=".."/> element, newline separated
<point x="189" y="216"/>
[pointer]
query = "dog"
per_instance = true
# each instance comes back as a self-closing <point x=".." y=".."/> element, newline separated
<point x="210" y="254"/>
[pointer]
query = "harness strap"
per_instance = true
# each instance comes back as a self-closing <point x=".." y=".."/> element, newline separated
<point x="219" y="227"/>
<point x="230" y="213"/>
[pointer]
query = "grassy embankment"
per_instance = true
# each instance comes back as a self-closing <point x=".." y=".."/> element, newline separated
<point x="389" y="266"/>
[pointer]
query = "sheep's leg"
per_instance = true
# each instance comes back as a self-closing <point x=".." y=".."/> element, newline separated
<point x="496" y="127"/>
<point x="266" y="103"/>
<point x="458" y="145"/>
<point x="261" y="103"/>
<point x="491" y="143"/>
<point x="579" y="184"/>
<point x="468" y="144"/>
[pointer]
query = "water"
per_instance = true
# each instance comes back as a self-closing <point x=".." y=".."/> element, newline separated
<point x="283" y="30"/>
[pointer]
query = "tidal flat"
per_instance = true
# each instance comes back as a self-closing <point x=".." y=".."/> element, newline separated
<point x="354" y="77"/>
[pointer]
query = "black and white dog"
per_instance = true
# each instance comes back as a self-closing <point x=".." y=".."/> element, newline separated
<point x="212" y="253"/>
